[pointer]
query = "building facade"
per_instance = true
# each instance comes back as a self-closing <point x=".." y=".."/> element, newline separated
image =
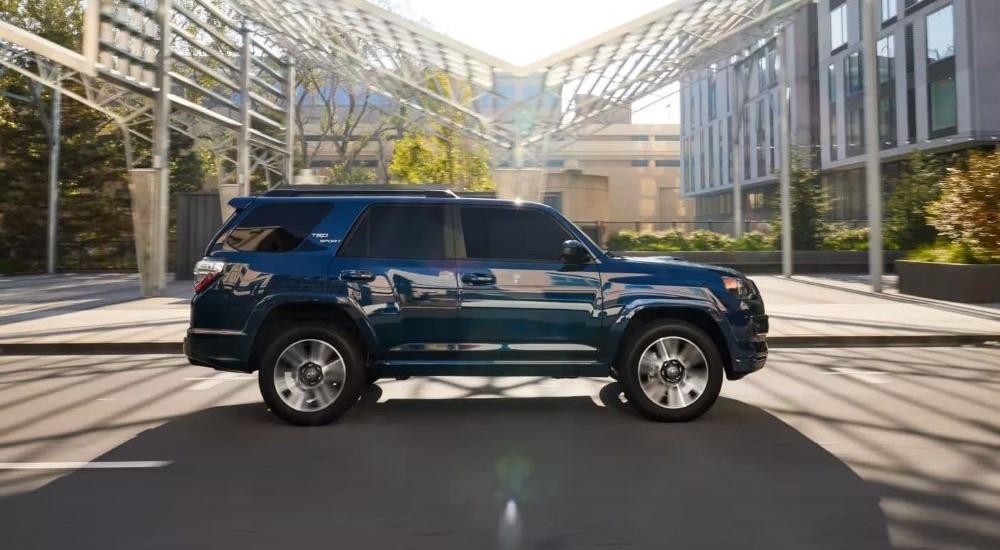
<point x="937" y="75"/>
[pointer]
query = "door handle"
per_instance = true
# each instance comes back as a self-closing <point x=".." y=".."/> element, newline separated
<point x="358" y="275"/>
<point x="479" y="279"/>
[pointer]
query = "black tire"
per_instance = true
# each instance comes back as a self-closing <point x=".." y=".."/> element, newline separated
<point x="633" y="377"/>
<point x="309" y="336"/>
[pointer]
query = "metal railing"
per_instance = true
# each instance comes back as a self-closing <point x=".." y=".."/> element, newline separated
<point x="600" y="230"/>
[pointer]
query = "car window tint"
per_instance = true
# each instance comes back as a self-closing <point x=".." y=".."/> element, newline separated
<point x="512" y="234"/>
<point x="398" y="231"/>
<point x="277" y="227"/>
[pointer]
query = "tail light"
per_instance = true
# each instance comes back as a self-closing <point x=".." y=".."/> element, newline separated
<point x="206" y="271"/>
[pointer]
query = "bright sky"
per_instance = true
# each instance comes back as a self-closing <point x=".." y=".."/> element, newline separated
<point x="523" y="31"/>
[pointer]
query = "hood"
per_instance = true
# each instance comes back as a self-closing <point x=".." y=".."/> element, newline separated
<point x="678" y="262"/>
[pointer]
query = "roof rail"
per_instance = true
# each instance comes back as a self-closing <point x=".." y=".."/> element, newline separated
<point x="350" y="190"/>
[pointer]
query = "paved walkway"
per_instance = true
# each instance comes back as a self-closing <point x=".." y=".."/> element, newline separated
<point x="99" y="309"/>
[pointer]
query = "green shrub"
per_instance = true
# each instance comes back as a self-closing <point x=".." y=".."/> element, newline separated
<point x="951" y="253"/>
<point x="755" y="240"/>
<point x="703" y="239"/>
<point x="967" y="214"/>
<point x="840" y="237"/>
<point x="698" y="240"/>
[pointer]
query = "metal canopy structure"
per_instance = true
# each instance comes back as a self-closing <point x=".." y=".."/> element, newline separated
<point x="223" y="72"/>
<point x="515" y="108"/>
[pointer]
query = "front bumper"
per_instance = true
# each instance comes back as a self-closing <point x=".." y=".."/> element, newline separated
<point x="750" y="353"/>
<point x="220" y="350"/>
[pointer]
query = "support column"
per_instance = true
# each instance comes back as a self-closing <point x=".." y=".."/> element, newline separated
<point x="142" y="189"/>
<point x="785" y="181"/>
<point x="243" y="135"/>
<point x="53" y="214"/>
<point x="160" y="192"/>
<point x="873" y="167"/>
<point x="292" y="92"/>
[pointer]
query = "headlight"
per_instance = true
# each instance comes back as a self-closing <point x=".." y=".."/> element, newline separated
<point x="738" y="286"/>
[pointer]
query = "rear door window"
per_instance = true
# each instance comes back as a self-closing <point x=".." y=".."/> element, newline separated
<point x="278" y="227"/>
<point x="493" y="233"/>
<point x="399" y="232"/>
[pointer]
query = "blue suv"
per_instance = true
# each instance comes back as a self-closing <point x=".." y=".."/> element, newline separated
<point x="324" y="291"/>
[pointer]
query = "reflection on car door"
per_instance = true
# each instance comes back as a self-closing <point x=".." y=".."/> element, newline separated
<point x="518" y="301"/>
<point x="396" y="266"/>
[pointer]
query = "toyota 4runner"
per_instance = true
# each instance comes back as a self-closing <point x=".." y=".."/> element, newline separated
<point x="324" y="291"/>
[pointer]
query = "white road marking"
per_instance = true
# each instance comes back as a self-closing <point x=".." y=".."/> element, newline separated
<point x="209" y="382"/>
<point x="111" y="465"/>
<point x="869" y="376"/>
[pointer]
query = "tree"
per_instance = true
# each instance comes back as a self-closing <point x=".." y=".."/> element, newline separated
<point x="440" y="153"/>
<point x="809" y="206"/>
<point x="333" y="116"/>
<point x="968" y="210"/>
<point x="918" y="186"/>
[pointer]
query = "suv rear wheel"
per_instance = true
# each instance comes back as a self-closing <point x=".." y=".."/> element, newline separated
<point x="311" y="374"/>
<point x="672" y="372"/>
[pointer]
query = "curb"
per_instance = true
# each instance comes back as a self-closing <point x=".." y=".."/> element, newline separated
<point x="774" y="342"/>
<point x="137" y="348"/>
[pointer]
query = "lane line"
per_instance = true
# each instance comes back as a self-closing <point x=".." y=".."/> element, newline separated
<point x="207" y="383"/>
<point x="110" y="465"/>
<point x="869" y="376"/>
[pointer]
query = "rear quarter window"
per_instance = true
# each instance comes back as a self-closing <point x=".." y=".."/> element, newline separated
<point x="277" y="227"/>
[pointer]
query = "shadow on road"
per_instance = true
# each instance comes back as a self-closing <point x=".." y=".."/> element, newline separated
<point x="439" y="474"/>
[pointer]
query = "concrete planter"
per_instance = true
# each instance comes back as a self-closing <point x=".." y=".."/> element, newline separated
<point x="767" y="262"/>
<point x="967" y="283"/>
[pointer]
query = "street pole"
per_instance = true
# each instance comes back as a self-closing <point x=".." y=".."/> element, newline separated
<point x="53" y="219"/>
<point x="785" y="179"/>
<point x="873" y="168"/>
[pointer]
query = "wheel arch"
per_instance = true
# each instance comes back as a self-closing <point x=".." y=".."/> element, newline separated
<point x="702" y="317"/>
<point x="280" y="312"/>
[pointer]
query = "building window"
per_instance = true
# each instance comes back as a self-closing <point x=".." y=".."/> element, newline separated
<point x="667" y="163"/>
<point x="831" y="75"/>
<point x="940" y="35"/>
<point x="943" y="107"/>
<point x="762" y="83"/>
<point x="640" y="163"/>
<point x="639" y="138"/>
<point x="761" y="138"/>
<point x="711" y="156"/>
<point x="773" y="118"/>
<point x="888" y="10"/>
<point x="838" y="27"/>
<point x="853" y="74"/>
<point x="772" y="67"/>
<point x="855" y="132"/>
<point x="746" y="143"/>
<point x="911" y="92"/>
<point x="553" y="199"/>
<point x="555" y="163"/>
<point x="712" y="91"/>
<point x="886" y="52"/>
<point x="942" y="98"/>
<point x="668" y="137"/>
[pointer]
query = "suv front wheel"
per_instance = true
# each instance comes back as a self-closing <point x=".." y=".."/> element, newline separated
<point x="311" y="374"/>
<point x="672" y="372"/>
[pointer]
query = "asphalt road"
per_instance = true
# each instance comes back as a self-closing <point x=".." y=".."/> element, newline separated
<point x="865" y="448"/>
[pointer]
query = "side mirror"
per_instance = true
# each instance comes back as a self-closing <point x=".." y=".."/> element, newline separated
<point x="574" y="253"/>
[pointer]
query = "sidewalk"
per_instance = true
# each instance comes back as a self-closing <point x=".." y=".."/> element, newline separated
<point x="103" y="313"/>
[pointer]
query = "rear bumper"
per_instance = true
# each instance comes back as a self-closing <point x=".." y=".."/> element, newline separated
<point x="220" y="350"/>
